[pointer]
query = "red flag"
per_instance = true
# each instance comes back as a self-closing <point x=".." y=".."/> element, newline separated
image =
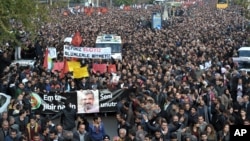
<point x="86" y="10"/>
<point x="126" y="8"/>
<point x="111" y="68"/>
<point x="77" y="39"/>
<point x="92" y="10"/>
<point x="104" y="10"/>
<point x="65" y="13"/>
<point x="89" y="13"/>
<point x="101" y="68"/>
<point x="45" y="60"/>
<point x="99" y="10"/>
<point x="65" y="68"/>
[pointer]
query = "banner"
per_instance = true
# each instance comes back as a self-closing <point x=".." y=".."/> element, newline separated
<point x="102" y="101"/>
<point x="52" y="103"/>
<point x="85" y="52"/>
<point x="156" y="21"/>
<point x="108" y="100"/>
<point x="81" y="72"/>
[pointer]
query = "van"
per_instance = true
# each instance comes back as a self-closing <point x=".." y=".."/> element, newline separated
<point x="4" y="102"/>
<point x="243" y="59"/>
<point x="244" y="52"/>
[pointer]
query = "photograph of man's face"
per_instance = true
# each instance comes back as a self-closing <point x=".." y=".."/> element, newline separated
<point x="88" y="101"/>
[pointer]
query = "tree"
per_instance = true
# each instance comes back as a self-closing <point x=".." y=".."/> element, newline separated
<point x="125" y="2"/>
<point x="20" y="15"/>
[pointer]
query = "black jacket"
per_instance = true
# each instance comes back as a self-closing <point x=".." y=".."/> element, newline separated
<point x="68" y="117"/>
<point x="76" y="136"/>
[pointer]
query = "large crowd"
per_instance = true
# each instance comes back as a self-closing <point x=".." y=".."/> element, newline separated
<point x="185" y="85"/>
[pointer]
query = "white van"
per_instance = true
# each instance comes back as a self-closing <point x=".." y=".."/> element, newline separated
<point x="243" y="59"/>
<point x="244" y="52"/>
<point x="4" y="102"/>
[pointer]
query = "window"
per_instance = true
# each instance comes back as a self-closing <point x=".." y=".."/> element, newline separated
<point x="115" y="47"/>
<point x="2" y="100"/>
<point x="244" y="53"/>
<point x="222" y="1"/>
<point x="244" y="65"/>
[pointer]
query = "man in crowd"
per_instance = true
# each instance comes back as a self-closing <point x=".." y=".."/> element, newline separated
<point x="4" y="130"/>
<point x="81" y="134"/>
<point x="68" y="116"/>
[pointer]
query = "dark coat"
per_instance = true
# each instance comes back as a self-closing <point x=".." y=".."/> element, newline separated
<point x="68" y="117"/>
<point x="76" y="136"/>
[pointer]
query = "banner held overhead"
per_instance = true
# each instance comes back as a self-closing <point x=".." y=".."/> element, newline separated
<point x="86" y="52"/>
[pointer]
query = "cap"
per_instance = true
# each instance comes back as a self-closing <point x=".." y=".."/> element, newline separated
<point x="106" y="137"/>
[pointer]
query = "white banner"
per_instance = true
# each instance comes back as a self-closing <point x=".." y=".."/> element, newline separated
<point x="87" y="52"/>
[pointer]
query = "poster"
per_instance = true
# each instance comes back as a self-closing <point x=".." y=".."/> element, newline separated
<point x="88" y="101"/>
<point x="156" y="21"/>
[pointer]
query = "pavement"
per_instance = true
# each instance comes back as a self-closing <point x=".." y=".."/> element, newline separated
<point x="108" y="119"/>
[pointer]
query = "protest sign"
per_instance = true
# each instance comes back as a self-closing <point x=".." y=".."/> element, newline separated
<point x="52" y="52"/>
<point x="87" y="52"/>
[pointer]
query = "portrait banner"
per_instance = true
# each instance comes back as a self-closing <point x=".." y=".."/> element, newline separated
<point x="108" y="100"/>
<point x="83" y="101"/>
<point x="88" y="101"/>
<point x="52" y="103"/>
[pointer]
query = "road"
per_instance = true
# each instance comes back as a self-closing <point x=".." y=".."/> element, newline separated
<point x="109" y="121"/>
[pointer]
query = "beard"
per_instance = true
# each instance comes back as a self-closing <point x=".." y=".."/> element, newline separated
<point x="88" y="106"/>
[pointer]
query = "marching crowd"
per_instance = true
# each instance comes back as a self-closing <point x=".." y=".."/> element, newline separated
<point x="184" y="85"/>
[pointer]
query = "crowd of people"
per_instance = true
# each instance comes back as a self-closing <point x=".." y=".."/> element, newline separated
<point x="184" y="83"/>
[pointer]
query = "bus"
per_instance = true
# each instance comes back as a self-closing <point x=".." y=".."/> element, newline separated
<point x="222" y="4"/>
<point x="113" y="41"/>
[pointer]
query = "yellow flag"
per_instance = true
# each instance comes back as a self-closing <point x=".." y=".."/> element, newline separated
<point x="73" y="64"/>
<point x="80" y="72"/>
